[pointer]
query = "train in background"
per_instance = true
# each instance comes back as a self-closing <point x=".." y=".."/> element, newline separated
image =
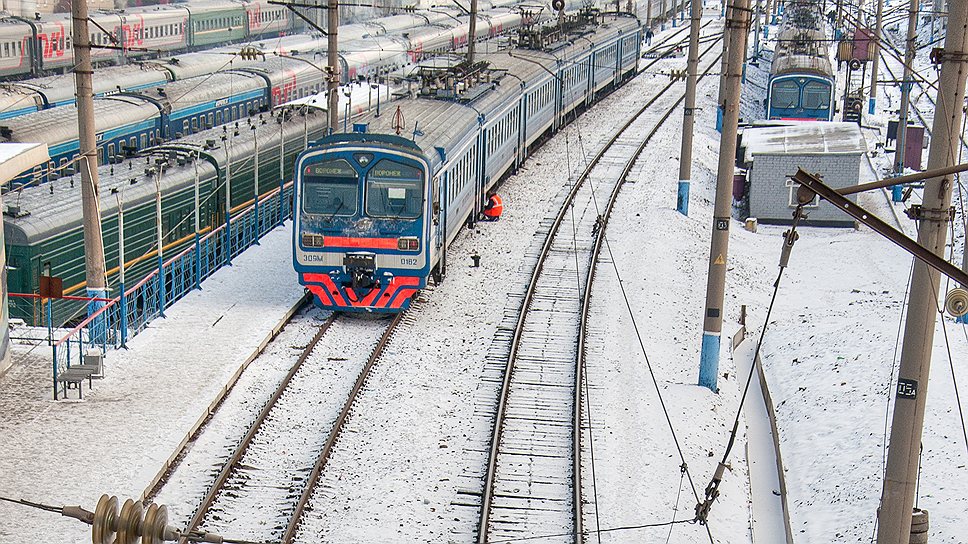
<point x="375" y="210"/>
<point x="443" y="32"/>
<point x="43" y="44"/>
<point x="802" y="80"/>
<point x="23" y="97"/>
<point x="134" y="120"/>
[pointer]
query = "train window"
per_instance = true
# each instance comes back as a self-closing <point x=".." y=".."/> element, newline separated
<point x="330" y="188"/>
<point x="395" y="190"/>
<point x="786" y="94"/>
<point x="816" y="95"/>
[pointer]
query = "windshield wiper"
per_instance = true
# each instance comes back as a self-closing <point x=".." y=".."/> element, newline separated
<point x="338" y="209"/>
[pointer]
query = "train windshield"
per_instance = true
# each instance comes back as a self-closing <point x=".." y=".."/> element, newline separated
<point x="816" y="95"/>
<point x="330" y="188"/>
<point x="786" y="94"/>
<point x="394" y="190"/>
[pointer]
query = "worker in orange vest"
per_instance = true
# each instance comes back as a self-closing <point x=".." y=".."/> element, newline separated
<point x="494" y="208"/>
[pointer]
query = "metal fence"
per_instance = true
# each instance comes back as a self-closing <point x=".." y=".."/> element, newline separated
<point x="124" y="316"/>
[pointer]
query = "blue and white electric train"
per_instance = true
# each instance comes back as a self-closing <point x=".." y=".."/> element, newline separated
<point x="801" y="78"/>
<point x="376" y="209"/>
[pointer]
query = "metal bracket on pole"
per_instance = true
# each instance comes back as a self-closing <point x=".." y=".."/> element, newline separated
<point x="939" y="56"/>
<point x="811" y="185"/>
<point x="918" y="212"/>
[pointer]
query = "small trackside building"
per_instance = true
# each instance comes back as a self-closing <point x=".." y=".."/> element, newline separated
<point x="771" y="155"/>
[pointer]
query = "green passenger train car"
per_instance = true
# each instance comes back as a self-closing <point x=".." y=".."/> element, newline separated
<point x="43" y="226"/>
<point x="213" y="23"/>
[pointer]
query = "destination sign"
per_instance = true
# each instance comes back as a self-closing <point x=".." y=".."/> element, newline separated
<point x="333" y="168"/>
<point x="394" y="170"/>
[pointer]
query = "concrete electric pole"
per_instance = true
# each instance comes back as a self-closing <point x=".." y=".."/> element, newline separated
<point x="722" y="74"/>
<point x="737" y="26"/>
<point x="900" y="482"/>
<point x="472" y="33"/>
<point x="87" y="155"/>
<point x="689" y="111"/>
<point x="875" y="49"/>
<point x="332" y="59"/>
<point x="909" y="53"/>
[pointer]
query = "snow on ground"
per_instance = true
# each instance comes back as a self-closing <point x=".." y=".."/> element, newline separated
<point x="829" y="355"/>
<point x="662" y="257"/>
<point x="119" y="436"/>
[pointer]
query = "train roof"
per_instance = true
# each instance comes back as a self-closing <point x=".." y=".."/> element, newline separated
<point x="59" y="125"/>
<point x="801" y="63"/>
<point x="447" y="124"/>
<point x="196" y="7"/>
<point x="54" y="208"/>
<point x="52" y="214"/>
<point x="59" y="89"/>
<point x="186" y="93"/>
<point x="802" y="50"/>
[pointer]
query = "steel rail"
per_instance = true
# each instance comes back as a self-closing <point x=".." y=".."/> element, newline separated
<point x="175" y="459"/>
<point x="324" y="454"/>
<point x="216" y="488"/>
<point x="489" y="480"/>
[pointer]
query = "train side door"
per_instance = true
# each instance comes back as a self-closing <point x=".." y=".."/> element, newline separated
<point x="439" y="223"/>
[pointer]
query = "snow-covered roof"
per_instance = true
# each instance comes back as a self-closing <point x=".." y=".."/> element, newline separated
<point x="17" y="157"/>
<point x="804" y="138"/>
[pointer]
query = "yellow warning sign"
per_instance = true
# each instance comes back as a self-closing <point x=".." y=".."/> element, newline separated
<point x="720" y="260"/>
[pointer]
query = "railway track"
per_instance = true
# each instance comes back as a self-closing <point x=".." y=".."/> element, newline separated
<point x="261" y="491"/>
<point x="532" y="482"/>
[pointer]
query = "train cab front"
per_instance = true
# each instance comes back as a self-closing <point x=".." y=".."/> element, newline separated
<point x="359" y="227"/>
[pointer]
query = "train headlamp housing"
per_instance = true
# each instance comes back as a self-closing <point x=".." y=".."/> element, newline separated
<point x="313" y="240"/>
<point x="408" y="243"/>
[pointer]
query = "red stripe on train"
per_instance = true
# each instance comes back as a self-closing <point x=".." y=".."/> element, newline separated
<point x="362" y="243"/>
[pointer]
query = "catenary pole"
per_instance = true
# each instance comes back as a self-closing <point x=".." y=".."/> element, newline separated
<point x="722" y="73"/>
<point x="87" y="161"/>
<point x="767" y="18"/>
<point x="900" y="481"/>
<point x="756" y="31"/>
<point x="332" y="59"/>
<point x="875" y="49"/>
<point x="737" y="26"/>
<point x="909" y="53"/>
<point x="472" y="33"/>
<point x="688" y="112"/>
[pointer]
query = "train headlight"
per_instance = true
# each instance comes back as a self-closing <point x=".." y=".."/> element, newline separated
<point x="408" y="243"/>
<point x="312" y="240"/>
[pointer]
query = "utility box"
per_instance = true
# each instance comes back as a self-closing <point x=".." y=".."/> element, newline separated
<point x="863" y="50"/>
<point x="913" y="144"/>
<point x="773" y="155"/>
